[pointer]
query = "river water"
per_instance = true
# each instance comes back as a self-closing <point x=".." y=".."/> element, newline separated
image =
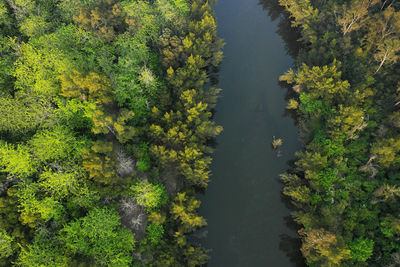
<point x="247" y="217"/>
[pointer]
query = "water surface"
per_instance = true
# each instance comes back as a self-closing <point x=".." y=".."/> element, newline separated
<point x="243" y="205"/>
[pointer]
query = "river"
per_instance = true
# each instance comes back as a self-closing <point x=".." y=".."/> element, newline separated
<point x="247" y="217"/>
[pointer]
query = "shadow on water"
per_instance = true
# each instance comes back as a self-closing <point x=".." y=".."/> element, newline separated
<point x="288" y="244"/>
<point x="288" y="34"/>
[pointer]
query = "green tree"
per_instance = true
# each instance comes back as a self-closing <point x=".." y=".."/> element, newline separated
<point x="99" y="235"/>
<point x="35" y="209"/>
<point x="61" y="184"/>
<point x="43" y="252"/>
<point x="154" y="233"/>
<point x="58" y="143"/>
<point x="151" y="196"/>
<point x="23" y="114"/>
<point x="6" y="245"/>
<point x="361" y="249"/>
<point x="17" y="160"/>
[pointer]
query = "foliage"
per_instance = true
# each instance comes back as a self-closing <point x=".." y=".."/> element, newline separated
<point x="151" y="196"/>
<point x="99" y="235"/>
<point x="105" y="19"/>
<point x="90" y="112"/>
<point x="23" y="114"/>
<point x="16" y="160"/>
<point x="361" y="249"/>
<point x="344" y="184"/>
<point x="154" y="233"/>
<point x="55" y="144"/>
<point x="6" y="247"/>
<point x="35" y="209"/>
<point x="183" y="209"/>
<point x="86" y="87"/>
<point x="43" y="252"/>
<point x="98" y="162"/>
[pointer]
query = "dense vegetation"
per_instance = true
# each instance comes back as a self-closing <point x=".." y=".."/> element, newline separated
<point x="346" y="184"/>
<point x="105" y="126"/>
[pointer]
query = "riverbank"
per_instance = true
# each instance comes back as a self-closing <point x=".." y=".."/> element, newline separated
<point x="345" y="181"/>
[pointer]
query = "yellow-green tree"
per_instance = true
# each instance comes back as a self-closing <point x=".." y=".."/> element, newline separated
<point x="91" y="87"/>
<point x="323" y="248"/>
<point x="184" y="211"/>
<point x="99" y="162"/>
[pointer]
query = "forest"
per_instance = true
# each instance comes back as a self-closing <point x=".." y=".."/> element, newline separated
<point x="344" y="93"/>
<point x="105" y="130"/>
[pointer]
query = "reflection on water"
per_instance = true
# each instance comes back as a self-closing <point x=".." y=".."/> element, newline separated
<point x="248" y="218"/>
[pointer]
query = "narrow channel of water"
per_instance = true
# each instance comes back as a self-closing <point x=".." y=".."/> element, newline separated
<point x="247" y="218"/>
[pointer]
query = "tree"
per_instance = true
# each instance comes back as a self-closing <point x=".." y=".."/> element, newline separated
<point x="105" y="19"/>
<point x="184" y="211"/>
<point x="102" y="122"/>
<point x="175" y="11"/>
<point x="56" y="144"/>
<point x="386" y="192"/>
<point x="151" y="196"/>
<point x="361" y="249"/>
<point x="301" y="11"/>
<point x="17" y="160"/>
<point x="7" y="46"/>
<point x="300" y="194"/>
<point x="154" y="233"/>
<point x="23" y="114"/>
<point x="347" y="121"/>
<point x="99" y="162"/>
<point x="124" y="132"/>
<point x="386" y="151"/>
<point x="320" y="83"/>
<point x="3" y="13"/>
<point x="387" y="52"/>
<point x="142" y="20"/>
<point x="35" y="209"/>
<point x="74" y="114"/>
<point x="37" y="69"/>
<point x="21" y="8"/>
<point x="390" y="226"/>
<point x="61" y="184"/>
<point x="34" y="25"/>
<point x="182" y="140"/>
<point x="322" y="247"/>
<point x="6" y="245"/>
<point x="91" y="87"/>
<point x="386" y="23"/>
<point x="303" y="14"/>
<point x="99" y="235"/>
<point x="44" y="252"/>
<point x="353" y="15"/>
